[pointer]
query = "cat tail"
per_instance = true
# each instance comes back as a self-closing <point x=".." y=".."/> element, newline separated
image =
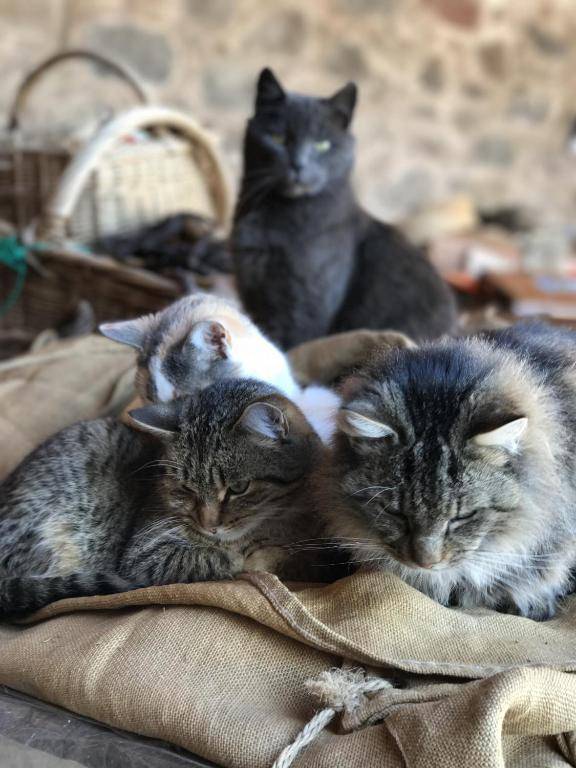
<point x="24" y="594"/>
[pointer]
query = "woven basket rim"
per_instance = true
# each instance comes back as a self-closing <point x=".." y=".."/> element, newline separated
<point x="102" y="263"/>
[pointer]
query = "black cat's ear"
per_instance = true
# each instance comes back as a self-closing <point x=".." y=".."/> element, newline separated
<point x="160" y="420"/>
<point x="268" y="90"/>
<point x="130" y="332"/>
<point x="357" y="424"/>
<point x="265" y="421"/>
<point x="343" y="103"/>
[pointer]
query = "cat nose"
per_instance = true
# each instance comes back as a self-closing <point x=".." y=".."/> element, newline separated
<point x="426" y="553"/>
<point x="297" y="164"/>
<point x="209" y="516"/>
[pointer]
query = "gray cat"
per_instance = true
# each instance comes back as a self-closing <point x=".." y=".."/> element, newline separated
<point x="309" y="261"/>
<point x="215" y="483"/>
<point x="456" y="464"/>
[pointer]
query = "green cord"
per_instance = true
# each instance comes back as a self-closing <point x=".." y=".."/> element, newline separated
<point x="13" y="256"/>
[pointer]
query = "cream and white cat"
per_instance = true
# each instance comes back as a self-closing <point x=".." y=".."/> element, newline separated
<point x="204" y="338"/>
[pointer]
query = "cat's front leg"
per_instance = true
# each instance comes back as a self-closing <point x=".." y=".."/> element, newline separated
<point x="538" y="607"/>
<point x="180" y="562"/>
<point x="266" y="559"/>
<point x="535" y="606"/>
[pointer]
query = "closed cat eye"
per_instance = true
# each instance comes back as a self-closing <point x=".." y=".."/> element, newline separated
<point x="322" y="146"/>
<point x="462" y="518"/>
<point x="238" y="489"/>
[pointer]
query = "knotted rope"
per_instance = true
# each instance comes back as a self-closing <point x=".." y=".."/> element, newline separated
<point x="343" y="690"/>
<point x="13" y="256"/>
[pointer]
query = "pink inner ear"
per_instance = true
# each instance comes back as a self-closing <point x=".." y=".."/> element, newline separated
<point x="217" y="337"/>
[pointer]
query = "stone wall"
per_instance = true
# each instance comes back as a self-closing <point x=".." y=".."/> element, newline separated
<point x="470" y="96"/>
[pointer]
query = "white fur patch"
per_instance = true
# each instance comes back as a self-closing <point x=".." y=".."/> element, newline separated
<point x="164" y="389"/>
<point x="258" y="358"/>
<point x="320" y="406"/>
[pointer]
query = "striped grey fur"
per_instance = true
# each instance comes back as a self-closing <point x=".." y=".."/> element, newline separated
<point x="456" y="467"/>
<point x="219" y="485"/>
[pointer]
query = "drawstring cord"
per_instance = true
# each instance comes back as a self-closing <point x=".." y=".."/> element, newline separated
<point x="343" y="690"/>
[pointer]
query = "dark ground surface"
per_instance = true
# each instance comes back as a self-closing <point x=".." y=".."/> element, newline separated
<point x="38" y="735"/>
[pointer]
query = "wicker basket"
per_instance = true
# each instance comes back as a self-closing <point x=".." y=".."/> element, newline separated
<point x="109" y="186"/>
<point x="142" y="177"/>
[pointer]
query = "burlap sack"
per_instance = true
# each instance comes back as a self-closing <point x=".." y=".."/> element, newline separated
<point x="64" y="382"/>
<point x="220" y="668"/>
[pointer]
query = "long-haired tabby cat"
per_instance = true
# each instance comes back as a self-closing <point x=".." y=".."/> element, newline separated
<point x="457" y="468"/>
<point x="308" y="260"/>
<point x="217" y="483"/>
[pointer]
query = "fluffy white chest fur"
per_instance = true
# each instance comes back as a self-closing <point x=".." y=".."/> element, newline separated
<point x="257" y="358"/>
<point x="320" y="406"/>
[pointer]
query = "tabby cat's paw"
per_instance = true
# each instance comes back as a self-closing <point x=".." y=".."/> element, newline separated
<point x="268" y="559"/>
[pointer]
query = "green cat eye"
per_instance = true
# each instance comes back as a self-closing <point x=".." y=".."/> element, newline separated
<point x="277" y="138"/>
<point x="238" y="489"/>
<point x="322" y="146"/>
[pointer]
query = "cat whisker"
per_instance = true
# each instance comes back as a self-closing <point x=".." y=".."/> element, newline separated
<point x="371" y="488"/>
<point x="369" y="560"/>
<point x="520" y="558"/>
<point x="339" y="539"/>
<point x="157" y="464"/>
<point x="376" y="495"/>
<point x="252" y="196"/>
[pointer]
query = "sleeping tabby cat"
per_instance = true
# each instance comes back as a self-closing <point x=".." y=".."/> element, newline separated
<point x="216" y="483"/>
<point x="456" y="465"/>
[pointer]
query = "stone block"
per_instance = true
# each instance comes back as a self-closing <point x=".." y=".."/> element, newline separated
<point x="149" y="53"/>
<point x="432" y="75"/>
<point x="493" y="60"/>
<point x="494" y="150"/>
<point x="461" y="13"/>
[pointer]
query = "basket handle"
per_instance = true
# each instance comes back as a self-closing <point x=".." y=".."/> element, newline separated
<point x="121" y="70"/>
<point x="77" y="173"/>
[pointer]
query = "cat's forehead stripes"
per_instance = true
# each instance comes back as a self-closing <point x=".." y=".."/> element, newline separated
<point x="434" y="390"/>
<point x="434" y="472"/>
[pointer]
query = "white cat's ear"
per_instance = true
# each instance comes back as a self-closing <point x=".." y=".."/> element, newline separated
<point x="211" y="337"/>
<point x="343" y="102"/>
<point x="268" y="89"/>
<point x="159" y="420"/>
<point x="265" y="420"/>
<point x="508" y="436"/>
<point x="130" y="332"/>
<point x="359" y="425"/>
